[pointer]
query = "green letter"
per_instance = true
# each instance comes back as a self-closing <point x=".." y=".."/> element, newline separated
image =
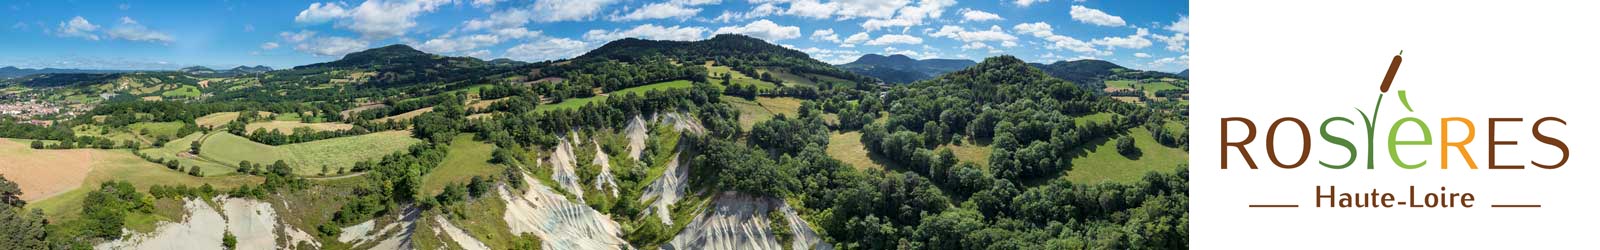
<point x="1427" y="139"/>
<point x="1338" y="141"/>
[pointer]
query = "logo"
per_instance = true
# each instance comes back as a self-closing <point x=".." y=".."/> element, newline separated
<point x="1491" y="137"/>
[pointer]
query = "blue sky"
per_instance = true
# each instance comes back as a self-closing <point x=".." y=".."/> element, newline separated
<point x="1140" y="34"/>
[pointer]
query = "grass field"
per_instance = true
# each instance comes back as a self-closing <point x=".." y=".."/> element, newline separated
<point x="178" y="148"/>
<point x="287" y="127"/>
<point x="185" y="91"/>
<point x="1149" y="88"/>
<point x="738" y="78"/>
<point x="169" y="129"/>
<point x="306" y="158"/>
<point x="121" y="165"/>
<point x="1102" y="117"/>
<point x="574" y="103"/>
<point x="762" y="109"/>
<point x="971" y="152"/>
<point x="1104" y="163"/>
<point x="847" y="148"/>
<point x="467" y="158"/>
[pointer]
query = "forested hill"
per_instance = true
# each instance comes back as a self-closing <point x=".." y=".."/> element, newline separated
<point x="903" y="69"/>
<point x="1091" y="73"/>
<point x="730" y="49"/>
<point x="401" y="65"/>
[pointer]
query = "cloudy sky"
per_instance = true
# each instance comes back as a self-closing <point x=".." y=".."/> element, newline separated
<point x="172" y="34"/>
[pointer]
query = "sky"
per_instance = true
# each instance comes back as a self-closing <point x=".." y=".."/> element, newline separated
<point x="153" y="35"/>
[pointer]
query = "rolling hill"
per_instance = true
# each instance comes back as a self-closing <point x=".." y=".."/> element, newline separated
<point x="903" y="69"/>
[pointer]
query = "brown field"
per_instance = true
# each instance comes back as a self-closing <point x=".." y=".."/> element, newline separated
<point x="406" y="115"/>
<point x="358" y="109"/>
<point x="43" y="173"/>
<point x="287" y="127"/>
<point x="1127" y="99"/>
<point x="222" y="118"/>
<point x="481" y="104"/>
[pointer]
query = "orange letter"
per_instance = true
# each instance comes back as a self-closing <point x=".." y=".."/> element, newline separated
<point x="1461" y="146"/>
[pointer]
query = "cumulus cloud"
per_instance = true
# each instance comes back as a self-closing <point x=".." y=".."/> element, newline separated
<point x="763" y="10"/>
<point x="321" y="13"/>
<point x="1095" y="17"/>
<point x="503" y="19"/>
<point x="995" y="34"/>
<point x="296" y="37"/>
<point x="1180" y="26"/>
<point x="133" y="31"/>
<point x="763" y="29"/>
<point x="825" y="35"/>
<point x="1176" y="42"/>
<point x="378" y="19"/>
<point x="832" y="56"/>
<point x="1177" y="62"/>
<point x="78" y="27"/>
<point x="895" y="39"/>
<point x="910" y="15"/>
<point x="1135" y="41"/>
<point x="331" y="46"/>
<point x="1056" y="42"/>
<point x="971" y="15"/>
<point x="568" y="10"/>
<point x="1026" y="3"/>
<point x="548" y="49"/>
<point x="1141" y="55"/>
<point x="648" y="31"/>
<point x="269" y="46"/>
<point x="452" y="45"/>
<point x="659" y="11"/>
<point x="855" y="39"/>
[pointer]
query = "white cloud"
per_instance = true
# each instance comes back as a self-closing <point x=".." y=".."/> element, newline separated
<point x="1026" y="3"/>
<point x="763" y="29"/>
<point x="696" y="2"/>
<point x="78" y="27"/>
<point x="331" y="46"/>
<point x="133" y="31"/>
<point x="832" y="56"/>
<point x="1180" y="26"/>
<point x="1177" y="42"/>
<point x="320" y="13"/>
<point x="763" y="10"/>
<point x="1056" y="42"/>
<point x="1141" y="55"/>
<point x="548" y="49"/>
<point x="296" y="37"/>
<point x="971" y="15"/>
<point x="269" y="46"/>
<point x="855" y="39"/>
<point x="825" y="35"/>
<point x="568" y="10"/>
<point x="379" y="19"/>
<point x="910" y="15"/>
<point x="648" y="31"/>
<point x="659" y="11"/>
<point x="1135" y="41"/>
<point x="895" y="39"/>
<point x="451" y="45"/>
<point x="503" y="19"/>
<point x="485" y="3"/>
<point x="1178" y="62"/>
<point x="1095" y="17"/>
<point x="975" y="46"/>
<point x="995" y="33"/>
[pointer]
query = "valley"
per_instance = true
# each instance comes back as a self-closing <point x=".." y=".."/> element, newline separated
<point x="730" y="142"/>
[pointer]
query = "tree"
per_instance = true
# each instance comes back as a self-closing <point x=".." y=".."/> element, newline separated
<point x="1126" y="148"/>
<point x="195" y="171"/>
<point x="194" y="147"/>
<point x="37" y="144"/>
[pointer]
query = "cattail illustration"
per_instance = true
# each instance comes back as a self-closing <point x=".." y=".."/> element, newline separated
<point x="1388" y="78"/>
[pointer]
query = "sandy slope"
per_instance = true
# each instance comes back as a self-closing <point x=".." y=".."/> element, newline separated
<point x="605" y="180"/>
<point x="560" y="223"/>
<point x="564" y="165"/>
<point x="637" y="132"/>
<point x="255" y="224"/>
<point x="667" y="190"/>
<point x="738" y="221"/>
<point x="461" y="237"/>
